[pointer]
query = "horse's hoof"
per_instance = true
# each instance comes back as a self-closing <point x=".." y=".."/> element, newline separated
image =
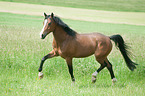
<point x="93" y="79"/>
<point x="114" y="80"/>
<point x="40" y="75"/>
<point x="94" y="76"/>
<point x="73" y="83"/>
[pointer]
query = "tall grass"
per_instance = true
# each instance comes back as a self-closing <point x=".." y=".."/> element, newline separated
<point x="21" y="50"/>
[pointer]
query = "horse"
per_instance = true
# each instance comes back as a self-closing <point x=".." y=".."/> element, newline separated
<point x="69" y="44"/>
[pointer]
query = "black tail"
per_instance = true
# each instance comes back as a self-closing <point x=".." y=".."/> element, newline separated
<point x="119" y="42"/>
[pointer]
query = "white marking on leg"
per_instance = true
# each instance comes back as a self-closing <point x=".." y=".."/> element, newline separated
<point x="114" y="80"/>
<point x="94" y="75"/>
<point x="45" y="22"/>
<point x="40" y="75"/>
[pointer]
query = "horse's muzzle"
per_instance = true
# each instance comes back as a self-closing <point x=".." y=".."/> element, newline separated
<point x="42" y="36"/>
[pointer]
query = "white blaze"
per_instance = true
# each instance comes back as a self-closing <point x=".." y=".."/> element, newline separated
<point x="45" y="22"/>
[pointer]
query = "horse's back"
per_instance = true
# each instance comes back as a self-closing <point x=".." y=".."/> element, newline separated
<point x="88" y="44"/>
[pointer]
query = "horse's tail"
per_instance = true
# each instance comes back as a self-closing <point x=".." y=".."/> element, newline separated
<point x="119" y="42"/>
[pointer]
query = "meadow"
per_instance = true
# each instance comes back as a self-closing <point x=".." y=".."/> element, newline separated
<point x="21" y="50"/>
<point x="109" y="5"/>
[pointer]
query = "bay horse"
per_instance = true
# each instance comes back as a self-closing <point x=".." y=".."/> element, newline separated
<point x="69" y="44"/>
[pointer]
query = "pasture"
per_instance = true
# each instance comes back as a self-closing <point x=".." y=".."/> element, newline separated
<point x="21" y="50"/>
<point x="110" y="5"/>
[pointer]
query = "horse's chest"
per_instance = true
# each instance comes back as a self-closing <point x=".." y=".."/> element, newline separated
<point x="65" y="49"/>
<point x="64" y="53"/>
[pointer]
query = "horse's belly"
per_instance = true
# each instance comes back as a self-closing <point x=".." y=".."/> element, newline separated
<point x="85" y="52"/>
<point x="83" y="55"/>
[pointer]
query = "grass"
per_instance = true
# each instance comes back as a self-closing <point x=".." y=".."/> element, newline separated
<point x="134" y="18"/>
<point x="21" y="50"/>
<point x="109" y="5"/>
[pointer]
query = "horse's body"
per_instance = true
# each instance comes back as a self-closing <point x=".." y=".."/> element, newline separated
<point x="68" y="44"/>
<point x="84" y="45"/>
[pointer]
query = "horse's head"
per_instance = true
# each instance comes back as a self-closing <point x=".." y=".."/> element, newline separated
<point x="48" y="25"/>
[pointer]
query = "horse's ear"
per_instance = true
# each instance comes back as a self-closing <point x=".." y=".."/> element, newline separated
<point x="52" y="15"/>
<point x="45" y="14"/>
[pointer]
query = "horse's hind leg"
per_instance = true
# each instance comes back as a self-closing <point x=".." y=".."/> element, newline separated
<point x="103" y="65"/>
<point x="109" y="67"/>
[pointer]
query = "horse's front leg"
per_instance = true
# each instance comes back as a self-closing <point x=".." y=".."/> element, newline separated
<point x="70" y="67"/>
<point x="50" y="55"/>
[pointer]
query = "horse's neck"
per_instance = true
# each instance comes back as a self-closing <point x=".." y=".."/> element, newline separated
<point x="60" y="35"/>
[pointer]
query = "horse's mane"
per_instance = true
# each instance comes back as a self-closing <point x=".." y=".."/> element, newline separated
<point x="66" y="28"/>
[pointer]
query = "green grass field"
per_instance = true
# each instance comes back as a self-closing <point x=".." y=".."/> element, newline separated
<point x="21" y="50"/>
<point x="133" y="18"/>
<point x="110" y="5"/>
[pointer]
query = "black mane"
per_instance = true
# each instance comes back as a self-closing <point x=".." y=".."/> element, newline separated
<point x="66" y="28"/>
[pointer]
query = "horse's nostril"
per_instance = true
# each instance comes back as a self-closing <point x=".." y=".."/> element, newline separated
<point x="42" y="36"/>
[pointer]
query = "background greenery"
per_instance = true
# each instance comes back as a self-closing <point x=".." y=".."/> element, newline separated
<point x="112" y="5"/>
<point x="21" y="50"/>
